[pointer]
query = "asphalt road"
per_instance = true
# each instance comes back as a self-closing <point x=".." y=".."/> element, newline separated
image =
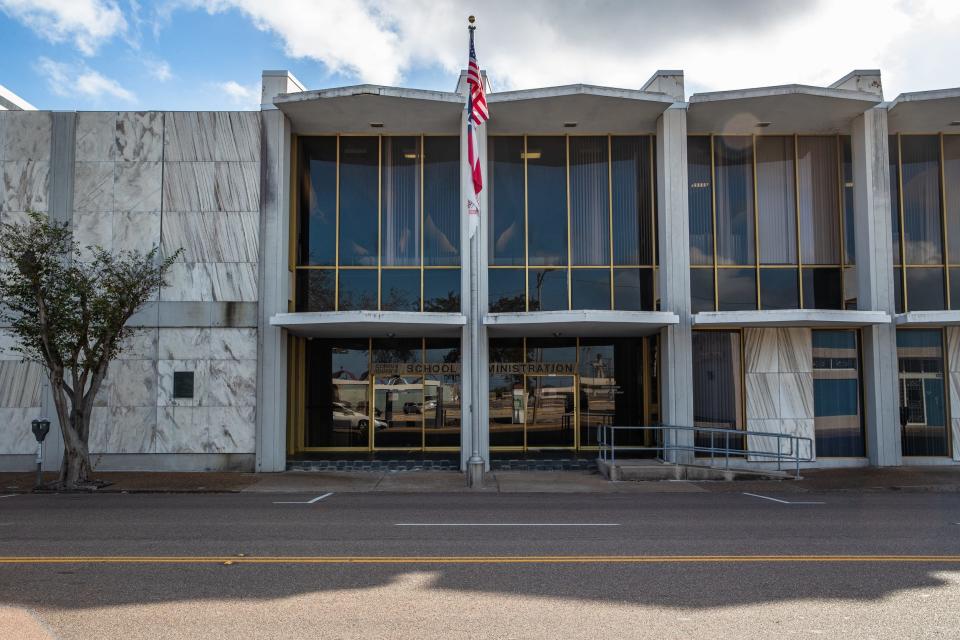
<point x="375" y="565"/>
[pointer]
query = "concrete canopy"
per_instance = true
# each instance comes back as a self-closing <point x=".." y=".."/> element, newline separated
<point x="790" y="318"/>
<point x="792" y="108"/>
<point x="925" y="112"/>
<point x="376" y="324"/>
<point x="593" y="110"/>
<point x="584" y="323"/>
<point x="928" y="319"/>
<point x="355" y="109"/>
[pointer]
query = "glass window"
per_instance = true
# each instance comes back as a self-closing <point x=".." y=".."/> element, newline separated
<point x="590" y="201"/>
<point x="507" y="290"/>
<point x="849" y="225"/>
<point x="337" y="400"/>
<point x="737" y="289"/>
<point x="717" y="380"/>
<point x="441" y="201"/>
<point x="633" y="289"/>
<point x="506" y="198"/>
<point x="441" y="396"/>
<point x="632" y="186"/>
<point x="922" y="392"/>
<point x="317" y="232"/>
<point x="925" y="289"/>
<point x="955" y="287"/>
<point x="779" y="289"/>
<point x="358" y="289"/>
<point x="922" y="234"/>
<point x="359" y="189"/>
<point x="894" y="151"/>
<point x="590" y="288"/>
<point x="898" y="288"/>
<point x="818" y="192"/>
<point x="400" y="202"/>
<point x="547" y="200"/>
<point x="951" y="175"/>
<point x="611" y="388"/>
<point x="398" y="399"/>
<point x="315" y="289"/>
<point x="776" y="200"/>
<point x="506" y="397"/>
<point x="441" y="290"/>
<point x="821" y="288"/>
<point x="547" y="289"/>
<point x="400" y="290"/>
<point x="701" y="290"/>
<point x="838" y="422"/>
<point x="734" y="196"/>
<point x="700" y="201"/>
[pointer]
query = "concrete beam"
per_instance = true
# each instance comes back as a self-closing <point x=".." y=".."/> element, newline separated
<point x="865" y="80"/>
<point x="275" y="82"/>
<point x="668" y="82"/>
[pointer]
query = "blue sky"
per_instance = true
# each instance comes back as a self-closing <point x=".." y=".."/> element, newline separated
<point x="208" y="54"/>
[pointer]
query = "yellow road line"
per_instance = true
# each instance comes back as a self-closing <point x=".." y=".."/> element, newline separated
<point x="465" y="559"/>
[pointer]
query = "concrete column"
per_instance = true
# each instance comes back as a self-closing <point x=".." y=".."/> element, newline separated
<point x="676" y="372"/>
<point x="874" y="246"/>
<point x="274" y="291"/>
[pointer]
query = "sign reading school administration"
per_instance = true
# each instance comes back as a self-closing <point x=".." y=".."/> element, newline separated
<point x="453" y="368"/>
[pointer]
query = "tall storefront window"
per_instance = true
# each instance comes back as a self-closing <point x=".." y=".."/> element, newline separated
<point x="378" y="223"/>
<point x="925" y="209"/>
<point x="717" y="380"/>
<point x="572" y="223"/>
<point x="838" y="421"/>
<point x="923" y="401"/>
<point x="768" y="218"/>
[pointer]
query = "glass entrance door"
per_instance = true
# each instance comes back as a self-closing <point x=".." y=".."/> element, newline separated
<point x="551" y="412"/>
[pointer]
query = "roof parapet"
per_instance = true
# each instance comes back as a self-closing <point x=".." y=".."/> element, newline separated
<point x="9" y="101"/>
<point x="668" y="82"/>
<point x="462" y="82"/>
<point x="863" y="80"/>
<point x="275" y="82"/>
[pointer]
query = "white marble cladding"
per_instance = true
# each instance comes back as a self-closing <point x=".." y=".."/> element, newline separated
<point x="21" y="389"/>
<point x="779" y="385"/>
<point x="24" y="163"/>
<point x="953" y="364"/>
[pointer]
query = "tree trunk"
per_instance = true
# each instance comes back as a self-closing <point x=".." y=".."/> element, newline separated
<point x="75" y="468"/>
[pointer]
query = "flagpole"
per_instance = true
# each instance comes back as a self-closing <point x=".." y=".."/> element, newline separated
<point x="475" y="465"/>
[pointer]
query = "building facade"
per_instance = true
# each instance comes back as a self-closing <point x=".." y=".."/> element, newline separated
<point x="776" y="260"/>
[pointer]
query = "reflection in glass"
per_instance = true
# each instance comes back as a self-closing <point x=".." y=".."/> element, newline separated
<point x="717" y="389"/>
<point x="318" y="201"/>
<point x="922" y="392"/>
<point x="441" y="411"/>
<point x="547" y="289"/>
<point x="922" y="233"/>
<point x="737" y="289"/>
<point x="818" y="190"/>
<point x="700" y="201"/>
<point x="358" y="289"/>
<point x="550" y="411"/>
<point x="633" y="234"/>
<point x="441" y="201"/>
<point x="701" y="290"/>
<point x="838" y="424"/>
<point x="506" y="235"/>
<point x="589" y="201"/>
<point x="507" y="290"/>
<point x="337" y="401"/>
<point x="925" y="289"/>
<point x="546" y="200"/>
<point x="611" y="388"/>
<point x="898" y="288"/>
<point x="850" y="288"/>
<point x="633" y="289"/>
<point x="507" y="411"/>
<point x="951" y="178"/>
<point x="441" y="290"/>
<point x="821" y="288"/>
<point x="551" y="349"/>
<point x="358" y="200"/>
<point x="776" y="201"/>
<point x="400" y="290"/>
<point x="734" y="199"/>
<point x="400" y="202"/>
<point x="398" y="400"/>
<point x="779" y="289"/>
<point x="315" y="289"/>
<point x="895" y="197"/>
<point x="955" y="287"/>
<point x="849" y="227"/>
<point x="591" y="288"/>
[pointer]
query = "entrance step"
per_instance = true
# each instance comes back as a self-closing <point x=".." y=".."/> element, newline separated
<point x="373" y="465"/>
<point x="533" y="464"/>
<point x="642" y="470"/>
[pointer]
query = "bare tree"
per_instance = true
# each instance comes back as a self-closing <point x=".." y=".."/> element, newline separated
<point x="68" y="311"/>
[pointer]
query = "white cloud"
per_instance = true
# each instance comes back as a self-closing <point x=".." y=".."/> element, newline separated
<point x="70" y="80"/>
<point x="88" y="23"/>
<point x="158" y="69"/>
<point x="720" y="45"/>
<point x="245" y="96"/>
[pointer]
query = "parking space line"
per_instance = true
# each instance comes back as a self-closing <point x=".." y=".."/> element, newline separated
<point x="754" y="495"/>
<point x="9" y="495"/>
<point x="314" y="500"/>
<point x="507" y="524"/>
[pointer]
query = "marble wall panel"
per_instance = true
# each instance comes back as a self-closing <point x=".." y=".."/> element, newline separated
<point x="953" y="348"/>
<point x="188" y="282"/>
<point x="237" y="136"/>
<point x="137" y="186"/>
<point x="124" y="430"/>
<point x="212" y="237"/>
<point x="189" y="136"/>
<point x="230" y="383"/>
<point x="4" y="119"/>
<point x="133" y="383"/>
<point x="8" y="344"/>
<point x="15" y="434"/>
<point x="189" y="186"/>
<point x="27" y="136"/>
<point x="21" y="384"/>
<point x="206" y="430"/>
<point x="761" y="350"/>
<point x="93" y="186"/>
<point x="796" y="395"/>
<point x="233" y="281"/>
<point x="237" y="186"/>
<point x="795" y="350"/>
<point x="96" y="136"/>
<point x="93" y="229"/>
<point x="139" y="136"/>
<point x="233" y="344"/>
<point x="166" y="369"/>
<point x="191" y="343"/>
<point x="141" y="344"/>
<point x="136" y="231"/>
<point x="955" y="428"/>
<point x="24" y="185"/>
<point x="763" y="395"/>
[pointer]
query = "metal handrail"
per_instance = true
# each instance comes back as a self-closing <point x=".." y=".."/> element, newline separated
<point x="607" y="434"/>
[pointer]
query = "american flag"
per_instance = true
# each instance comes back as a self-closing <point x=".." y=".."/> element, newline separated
<point x="477" y="114"/>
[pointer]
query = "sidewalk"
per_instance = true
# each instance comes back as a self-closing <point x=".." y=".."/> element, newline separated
<point x="930" y="479"/>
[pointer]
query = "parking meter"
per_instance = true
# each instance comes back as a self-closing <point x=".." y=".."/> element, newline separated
<point x="40" y="428"/>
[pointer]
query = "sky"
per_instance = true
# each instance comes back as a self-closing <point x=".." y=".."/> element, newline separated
<point x="208" y="54"/>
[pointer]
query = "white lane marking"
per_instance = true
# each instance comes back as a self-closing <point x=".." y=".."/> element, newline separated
<point x="317" y="499"/>
<point x="507" y="524"/>
<point x="9" y="496"/>
<point x="754" y="495"/>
